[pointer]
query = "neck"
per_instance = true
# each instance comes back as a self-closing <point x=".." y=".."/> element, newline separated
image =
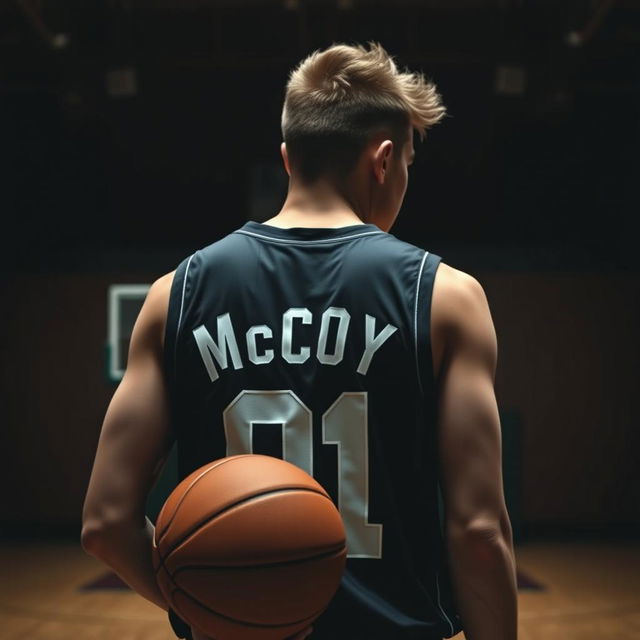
<point x="317" y="205"/>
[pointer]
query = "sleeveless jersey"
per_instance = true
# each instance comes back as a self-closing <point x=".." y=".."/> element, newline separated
<point x="313" y="345"/>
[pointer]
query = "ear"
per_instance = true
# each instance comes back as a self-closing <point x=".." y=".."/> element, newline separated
<point x="285" y="158"/>
<point x="381" y="160"/>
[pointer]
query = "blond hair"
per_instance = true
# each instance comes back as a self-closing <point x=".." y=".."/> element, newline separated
<point x="336" y="99"/>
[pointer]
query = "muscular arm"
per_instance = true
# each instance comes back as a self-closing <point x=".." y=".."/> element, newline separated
<point x="477" y="525"/>
<point x="133" y="445"/>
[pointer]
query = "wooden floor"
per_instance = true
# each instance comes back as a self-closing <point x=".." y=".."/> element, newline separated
<point x="592" y="593"/>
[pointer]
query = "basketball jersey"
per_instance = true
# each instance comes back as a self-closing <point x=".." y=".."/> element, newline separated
<point x="313" y="345"/>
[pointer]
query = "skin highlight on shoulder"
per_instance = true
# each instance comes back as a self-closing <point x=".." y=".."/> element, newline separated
<point x="459" y="307"/>
<point x="158" y="303"/>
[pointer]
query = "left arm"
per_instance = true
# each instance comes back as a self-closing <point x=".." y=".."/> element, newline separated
<point x="134" y="443"/>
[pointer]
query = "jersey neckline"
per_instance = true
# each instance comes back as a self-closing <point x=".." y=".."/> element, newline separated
<point x="254" y="228"/>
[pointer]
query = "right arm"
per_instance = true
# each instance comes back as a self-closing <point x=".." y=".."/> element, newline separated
<point x="477" y="526"/>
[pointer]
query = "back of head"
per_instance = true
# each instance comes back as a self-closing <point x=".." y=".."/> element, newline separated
<point x="339" y="98"/>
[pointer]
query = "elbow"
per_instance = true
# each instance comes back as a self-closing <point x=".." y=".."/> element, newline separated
<point x="92" y="537"/>
<point x="99" y="533"/>
<point x="107" y="529"/>
<point x="479" y="534"/>
<point x="485" y="531"/>
<point x="479" y="544"/>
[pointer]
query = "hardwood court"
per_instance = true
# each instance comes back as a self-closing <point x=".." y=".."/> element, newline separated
<point x="590" y="591"/>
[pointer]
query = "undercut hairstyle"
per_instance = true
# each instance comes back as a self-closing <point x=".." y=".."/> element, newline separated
<point x="337" y="99"/>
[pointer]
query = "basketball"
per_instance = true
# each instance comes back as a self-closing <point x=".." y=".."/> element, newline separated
<point x="249" y="547"/>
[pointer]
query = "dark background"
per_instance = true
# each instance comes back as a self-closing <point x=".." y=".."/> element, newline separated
<point x="530" y="184"/>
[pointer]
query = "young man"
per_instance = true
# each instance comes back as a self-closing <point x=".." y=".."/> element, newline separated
<point x="321" y="321"/>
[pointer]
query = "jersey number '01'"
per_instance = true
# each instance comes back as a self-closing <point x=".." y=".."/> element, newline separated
<point x="364" y="540"/>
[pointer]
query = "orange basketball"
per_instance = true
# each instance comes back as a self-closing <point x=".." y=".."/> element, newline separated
<point x="249" y="547"/>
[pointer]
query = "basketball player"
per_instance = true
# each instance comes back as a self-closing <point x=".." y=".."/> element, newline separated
<point x="375" y="359"/>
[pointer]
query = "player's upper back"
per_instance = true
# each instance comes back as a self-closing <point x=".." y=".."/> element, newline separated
<point x="343" y="307"/>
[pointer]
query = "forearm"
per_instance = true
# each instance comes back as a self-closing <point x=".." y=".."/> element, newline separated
<point x="485" y="585"/>
<point x="127" y="550"/>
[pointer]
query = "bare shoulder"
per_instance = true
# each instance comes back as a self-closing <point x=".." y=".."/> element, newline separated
<point x="455" y="292"/>
<point x="158" y="296"/>
<point x="459" y="313"/>
<point x="151" y="322"/>
<point x="162" y="286"/>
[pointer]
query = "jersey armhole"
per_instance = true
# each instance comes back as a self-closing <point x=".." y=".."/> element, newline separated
<point x="424" y="356"/>
<point x="175" y="312"/>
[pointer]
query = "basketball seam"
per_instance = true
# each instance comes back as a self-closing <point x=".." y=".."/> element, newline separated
<point x="266" y="565"/>
<point x="179" y="589"/>
<point x="197" y="526"/>
<point x="245" y="622"/>
<point x="213" y="465"/>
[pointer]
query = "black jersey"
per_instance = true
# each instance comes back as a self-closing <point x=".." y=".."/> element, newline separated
<point x="313" y="344"/>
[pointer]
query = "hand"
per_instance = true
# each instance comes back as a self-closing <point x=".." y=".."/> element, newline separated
<point x="301" y="635"/>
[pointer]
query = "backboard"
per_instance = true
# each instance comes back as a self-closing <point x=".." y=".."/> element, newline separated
<point x="124" y="304"/>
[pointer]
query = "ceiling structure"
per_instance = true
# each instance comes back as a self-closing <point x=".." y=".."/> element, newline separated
<point x="134" y="109"/>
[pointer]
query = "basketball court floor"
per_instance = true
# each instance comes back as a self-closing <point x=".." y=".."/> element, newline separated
<point x="567" y="591"/>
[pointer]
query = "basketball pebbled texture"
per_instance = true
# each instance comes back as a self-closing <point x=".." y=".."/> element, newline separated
<point x="249" y="547"/>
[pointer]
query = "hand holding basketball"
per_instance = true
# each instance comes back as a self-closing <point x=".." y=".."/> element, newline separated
<point x="249" y="547"/>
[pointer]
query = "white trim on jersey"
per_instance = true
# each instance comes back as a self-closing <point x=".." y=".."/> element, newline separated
<point x="440" y="605"/>
<point x="300" y="241"/>
<point x="415" y="319"/>
<point x="184" y="287"/>
<point x="415" y="324"/>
